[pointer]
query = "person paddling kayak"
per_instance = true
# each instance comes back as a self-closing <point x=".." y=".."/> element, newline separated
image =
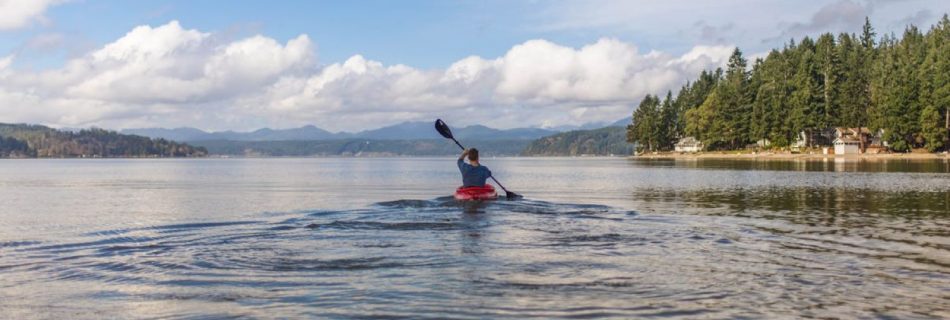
<point x="485" y="191"/>
<point x="474" y="174"/>
<point x="474" y="177"/>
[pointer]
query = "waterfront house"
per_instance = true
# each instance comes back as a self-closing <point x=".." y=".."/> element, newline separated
<point x="688" y="144"/>
<point x="847" y="145"/>
<point x="874" y="141"/>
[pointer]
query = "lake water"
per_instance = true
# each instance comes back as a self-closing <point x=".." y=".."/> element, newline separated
<point x="594" y="237"/>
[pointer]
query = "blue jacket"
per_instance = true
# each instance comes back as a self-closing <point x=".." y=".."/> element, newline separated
<point x="473" y="176"/>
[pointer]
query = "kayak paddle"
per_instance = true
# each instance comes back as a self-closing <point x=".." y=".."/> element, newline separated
<point x="444" y="130"/>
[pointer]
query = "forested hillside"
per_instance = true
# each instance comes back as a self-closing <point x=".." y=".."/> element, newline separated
<point x="24" y="141"/>
<point x="900" y="85"/>
<point x="603" y="141"/>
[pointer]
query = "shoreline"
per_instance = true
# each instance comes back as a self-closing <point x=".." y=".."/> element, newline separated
<point x="659" y="155"/>
<point x="791" y="156"/>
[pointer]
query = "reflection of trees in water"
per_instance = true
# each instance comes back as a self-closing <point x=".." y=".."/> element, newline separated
<point x="825" y="207"/>
<point x="815" y="165"/>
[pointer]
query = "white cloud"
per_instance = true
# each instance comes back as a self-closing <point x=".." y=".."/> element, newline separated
<point x="172" y="76"/>
<point x="16" y="14"/>
<point x="534" y="83"/>
<point x="170" y="64"/>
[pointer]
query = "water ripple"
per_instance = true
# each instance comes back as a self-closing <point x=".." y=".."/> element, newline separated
<point x="442" y="259"/>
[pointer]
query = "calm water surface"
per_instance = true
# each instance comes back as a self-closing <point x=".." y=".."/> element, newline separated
<point x="598" y="237"/>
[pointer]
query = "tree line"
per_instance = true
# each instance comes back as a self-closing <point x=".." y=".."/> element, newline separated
<point x="29" y="141"/>
<point x="896" y="85"/>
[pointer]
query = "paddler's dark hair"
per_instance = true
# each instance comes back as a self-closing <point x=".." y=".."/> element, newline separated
<point x="473" y="154"/>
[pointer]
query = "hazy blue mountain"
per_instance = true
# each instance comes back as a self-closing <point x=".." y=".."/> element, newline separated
<point x="586" y="126"/>
<point x="593" y="125"/>
<point x="177" y="134"/>
<point x="622" y="122"/>
<point x="359" y="147"/>
<point x="426" y="130"/>
<point x="481" y="132"/>
<point x="403" y="131"/>
<point x="266" y="134"/>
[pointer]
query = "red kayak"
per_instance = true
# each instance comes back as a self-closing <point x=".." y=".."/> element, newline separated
<point x="486" y="192"/>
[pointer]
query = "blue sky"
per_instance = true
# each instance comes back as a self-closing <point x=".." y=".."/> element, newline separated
<point x="425" y="34"/>
<point x="372" y="63"/>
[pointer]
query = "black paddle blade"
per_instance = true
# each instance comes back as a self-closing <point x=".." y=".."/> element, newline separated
<point x="443" y="129"/>
<point x="512" y="196"/>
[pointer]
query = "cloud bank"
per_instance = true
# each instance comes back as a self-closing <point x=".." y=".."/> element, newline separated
<point x="173" y="76"/>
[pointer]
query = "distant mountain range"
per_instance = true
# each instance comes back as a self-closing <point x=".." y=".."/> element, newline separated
<point x="359" y="147"/>
<point x="265" y="134"/>
<point x="403" y="131"/>
<point x="406" y="139"/>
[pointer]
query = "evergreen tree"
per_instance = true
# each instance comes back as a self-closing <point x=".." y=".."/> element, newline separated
<point x="885" y="93"/>
<point x="770" y="107"/>
<point x="736" y="102"/>
<point x="666" y="131"/>
<point x="829" y="81"/>
<point x="805" y="102"/>
<point x="939" y="60"/>
<point x="897" y="102"/>
<point x="645" y="129"/>
<point x="705" y="123"/>
<point x="681" y="105"/>
<point x="932" y="130"/>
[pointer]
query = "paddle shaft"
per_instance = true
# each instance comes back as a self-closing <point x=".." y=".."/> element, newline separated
<point x="492" y="177"/>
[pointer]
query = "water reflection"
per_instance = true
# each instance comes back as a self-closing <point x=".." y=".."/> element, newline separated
<point x="474" y="218"/>
<point x="913" y="219"/>
<point x="820" y="164"/>
<point x="471" y="208"/>
<point x="802" y="204"/>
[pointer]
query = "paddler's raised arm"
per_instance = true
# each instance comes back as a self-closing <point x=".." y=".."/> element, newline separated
<point x="461" y="161"/>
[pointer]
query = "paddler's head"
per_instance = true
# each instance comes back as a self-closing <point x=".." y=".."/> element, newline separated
<point x="473" y="155"/>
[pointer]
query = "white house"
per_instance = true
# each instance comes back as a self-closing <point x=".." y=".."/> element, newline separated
<point x="688" y="144"/>
<point x="847" y="145"/>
